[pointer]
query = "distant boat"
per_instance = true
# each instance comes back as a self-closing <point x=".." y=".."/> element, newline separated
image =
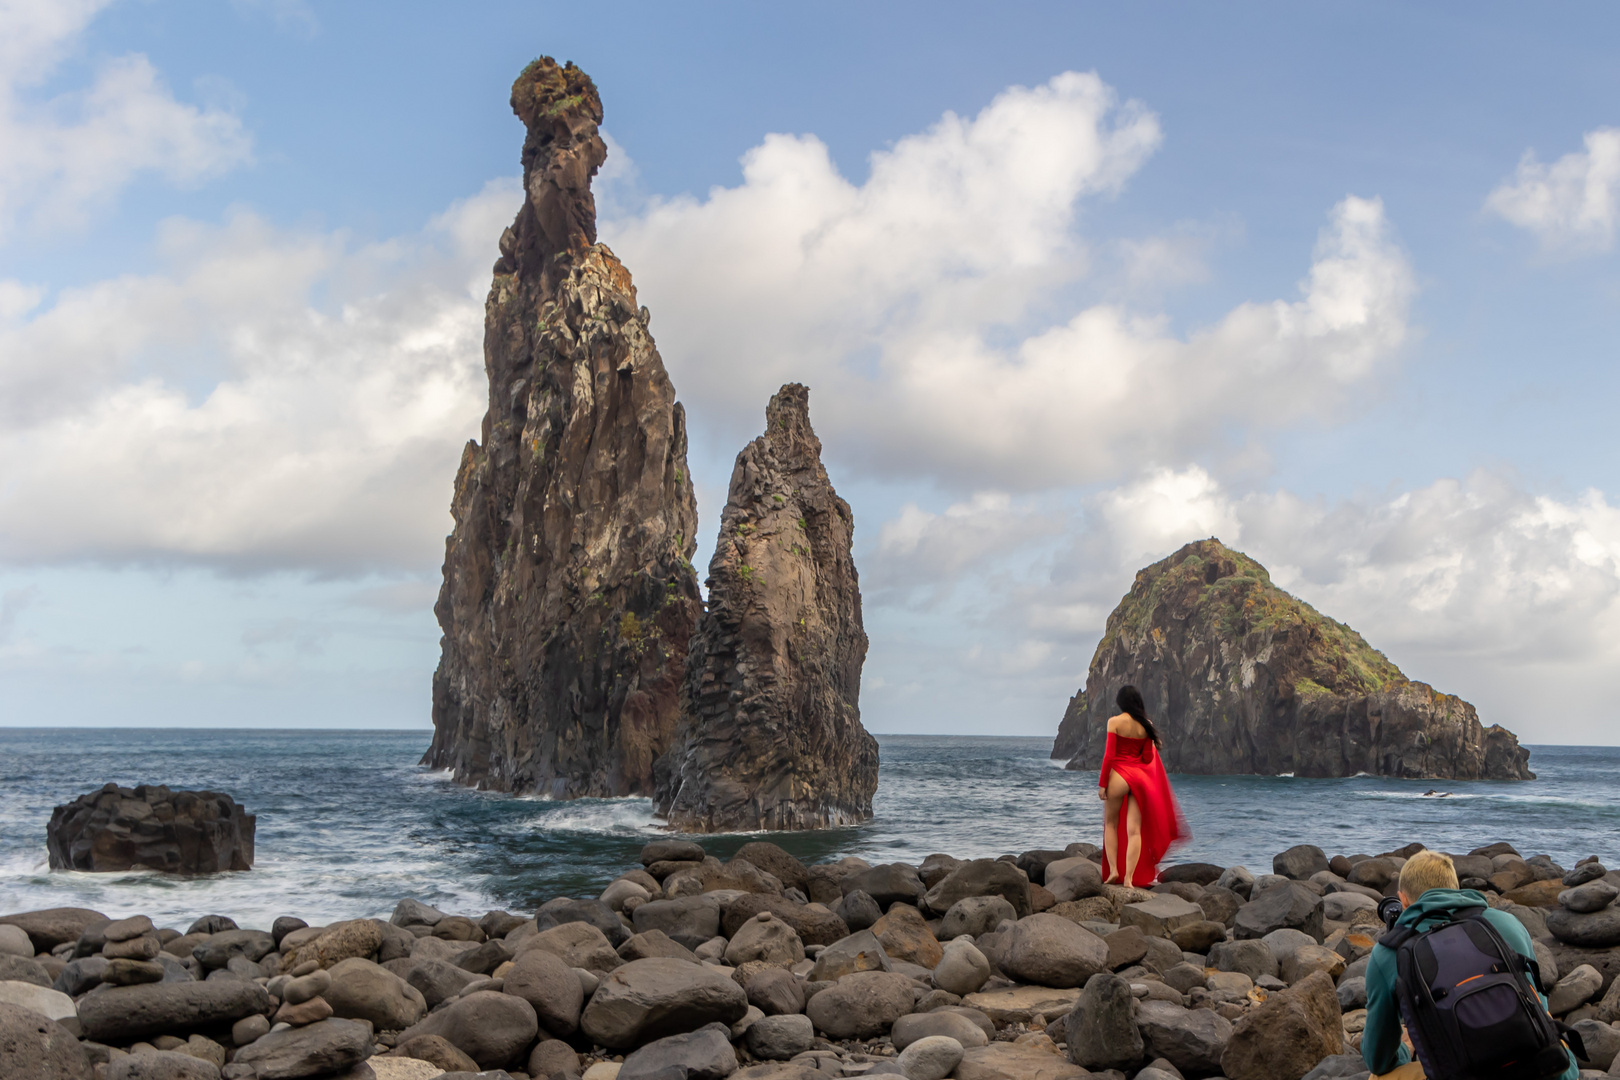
<point x="1433" y="794"/>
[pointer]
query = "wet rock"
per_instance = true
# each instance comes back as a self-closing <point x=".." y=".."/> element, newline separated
<point x="494" y="1029"/>
<point x="648" y="999"/>
<point x="861" y="1006"/>
<point x="771" y="732"/>
<point x="120" y="1015"/>
<point x="150" y="827"/>
<point x="1187" y="632"/>
<point x="1049" y="950"/>
<point x="780" y="1037"/>
<point x="319" y="1049"/>
<point x="1286" y="1035"/>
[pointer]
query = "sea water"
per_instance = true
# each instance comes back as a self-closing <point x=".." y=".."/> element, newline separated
<point x="348" y="822"/>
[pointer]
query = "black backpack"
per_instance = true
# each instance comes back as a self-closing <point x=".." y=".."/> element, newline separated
<point x="1469" y="1003"/>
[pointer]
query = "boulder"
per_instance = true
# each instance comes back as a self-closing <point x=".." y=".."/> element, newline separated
<point x="1196" y="873"/>
<point x="362" y="990"/>
<point x="1161" y="915"/>
<point x="653" y="943"/>
<point x="1021" y="1004"/>
<point x="1341" y="906"/>
<point x="1253" y="958"/>
<point x="26" y="969"/>
<point x="551" y="987"/>
<point x="1101" y="1028"/>
<point x="777" y="862"/>
<point x="962" y="968"/>
<point x="487" y="957"/>
<point x="14" y="941"/>
<point x="1198" y="937"/>
<point x="1602" y="1043"/>
<point x="1073" y="879"/>
<point x="436" y="1050"/>
<point x="886" y="884"/>
<point x="1011" y="1061"/>
<point x="1594" y="930"/>
<point x="976" y="915"/>
<point x="775" y="992"/>
<point x="648" y="999"/>
<point x="576" y="944"/>
<point x="34" y="1048"/>
<point x="50" y="927"/>
<point x="860" y="951"/>
<point x="933" y="1057"/>
<point x="409" y="912"/>
<point x="858" y="910"/>
<point x="765" y="938"/>
<point x="123" y="1014"/>
<point x="671" y="851"/>
<point x="705" y="1054"/>
<point x="1220" y="904"/>
<point x="981" y="877"/>
<point x="494" y="1029"/>
<point x="1589" y="897"/>
<point x="814" y="923"/>
<point x="863" y="1005"/>
<point x="1537" y="894"/>
<point x="338" y="942"/>
<point x="1301" y="962"/>
<point x="1375" y="874"/>
<point x="552" y="1056"/>
<point x="1049" y="950"/>
<point x="913" y="1026"/>
<point x="1191" y="1039"/>
<point x="690" y="920"/>
<point x="780" y="1037"/>
<point x="435" y="980"/>
<point x="150" y="827"/>
<point x="593" y="912"/>
<point x="1285" y="1036"/>
<point x="905" y="936"/>
<point x="319" y="1049"/>
<point x="1287" y="906"/>
<point x="1574" y="989"/>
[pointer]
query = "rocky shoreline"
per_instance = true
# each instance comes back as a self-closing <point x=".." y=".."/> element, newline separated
<point x="1025" y="967"/>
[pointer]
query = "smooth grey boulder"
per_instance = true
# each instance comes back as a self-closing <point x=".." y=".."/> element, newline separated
<point x="976" y="915"/>
<point x="435" y="980"/>
<point x="1602" y="1042"/>
<point x="1589" y="897"/>
<point x="1049" y="950"/>
<point x="485" y="958"/>
<point x="494" y="1029"/>
<point x="120" y="1015"/>
<point x="913" y="1026"/>
<point x="858" y="910"/>
<point x="1252" y="958"/>
<point x="775" y="991"/>
<point x="1340" y="1067"/>
<point x="1101" y="1028"/>
<point x="671" y="851"/>
<point x="159" y="1065"/>
<point x="1288" y="906"/>
<point x="549" y="985"/>
<point x="931" y="1058"/>
<point x="26" y="970"/>
<point x="409" y="912"/>
<point x="649" y="999"/>
<point x="319" y="1049"/>
<point x="705" y="1054"/>
<point x="218" y="950"/>
<point x="1073" y="879"/>
<point x="592" y="912"/>
<point x="1353" y="993"/>
<point x="362" y="990"/>
<point x="1190" y="1039"/>
<point x="861" y="1006"/>
<point x="963" y="969"/>
<point x="860" y="951"/>
<point x="887" y="884"/>
<point x="689" y="920"/>
<point x="981" y="877"/>
<point x="1594" y="930"/>
<point x="34" y="1048"/>
<point x="766" y="938"/>
<point x="50" y="927"/>
<point x="780" y="1037"/>
<point x="1574" y="989"/>
<point x="577" y="944"/>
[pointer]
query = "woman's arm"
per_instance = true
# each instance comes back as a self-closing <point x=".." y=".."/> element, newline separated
<point x="1107" y="763"/>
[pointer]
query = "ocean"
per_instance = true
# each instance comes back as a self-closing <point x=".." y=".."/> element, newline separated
<point x="348" y="823"/>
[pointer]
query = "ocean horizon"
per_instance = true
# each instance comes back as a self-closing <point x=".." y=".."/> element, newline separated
<point x="348" y="823"/>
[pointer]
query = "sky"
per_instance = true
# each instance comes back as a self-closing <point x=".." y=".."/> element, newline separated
<point x="1072" y="285"/>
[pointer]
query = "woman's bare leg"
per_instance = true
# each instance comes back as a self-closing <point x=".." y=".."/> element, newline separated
<point x="1133" y="839"/>
<point x="1118" y="791"/>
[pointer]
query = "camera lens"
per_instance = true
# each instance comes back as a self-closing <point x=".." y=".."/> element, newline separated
<point x="1389" y="909"/>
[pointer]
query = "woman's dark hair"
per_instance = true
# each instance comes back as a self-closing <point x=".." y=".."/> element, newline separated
<point x="1129" y="700"/>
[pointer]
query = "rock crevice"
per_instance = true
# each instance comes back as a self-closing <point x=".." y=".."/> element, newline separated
<point x="1241" y="677"/>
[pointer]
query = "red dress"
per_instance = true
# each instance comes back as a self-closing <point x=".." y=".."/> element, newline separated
<point x="1140" y="766"/>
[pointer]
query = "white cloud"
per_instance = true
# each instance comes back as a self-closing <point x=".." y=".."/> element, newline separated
<point x="1572" y="204"/>
<point x="919" y="304"/>
<point x="273" y="400"/>
<point x="63" y="157"/>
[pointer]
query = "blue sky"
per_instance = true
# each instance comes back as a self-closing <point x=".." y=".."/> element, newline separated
<point x="1337" y="285"/>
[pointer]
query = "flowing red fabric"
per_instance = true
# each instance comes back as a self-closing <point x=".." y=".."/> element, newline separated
<point x="1139" y="764"/>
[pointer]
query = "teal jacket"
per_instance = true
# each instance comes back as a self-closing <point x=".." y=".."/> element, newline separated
<point x="1381" y="1045"/>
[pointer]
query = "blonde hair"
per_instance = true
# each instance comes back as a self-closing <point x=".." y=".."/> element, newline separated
<point x="1427" y="870"/>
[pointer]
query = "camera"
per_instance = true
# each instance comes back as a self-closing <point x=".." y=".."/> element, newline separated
<point x="1389" y="909"/>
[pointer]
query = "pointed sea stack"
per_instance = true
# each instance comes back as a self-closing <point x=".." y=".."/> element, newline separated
<point x="771" y="723"/>
<point x="1241" y="677"/>
<point x="569" y="596"/>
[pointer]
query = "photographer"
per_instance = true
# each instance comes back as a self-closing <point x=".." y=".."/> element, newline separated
<point x="1474" y="954"/>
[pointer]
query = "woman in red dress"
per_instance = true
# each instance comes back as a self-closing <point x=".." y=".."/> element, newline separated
<point x="1137" y="796"/>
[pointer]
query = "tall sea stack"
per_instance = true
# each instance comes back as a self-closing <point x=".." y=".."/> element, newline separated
<point x="772" y="735"/>
<point x="1241" y="677"/>
<point x="569" y="596"/>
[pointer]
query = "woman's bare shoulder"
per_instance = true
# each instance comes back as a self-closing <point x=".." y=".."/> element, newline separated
<point x="1125" y="724"/>
<point x="1115" y="721"/>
